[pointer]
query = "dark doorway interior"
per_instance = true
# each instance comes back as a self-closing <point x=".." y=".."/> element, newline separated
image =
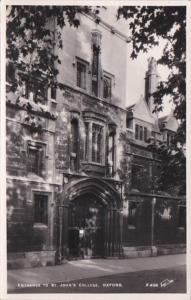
<point x="86" y="227"/>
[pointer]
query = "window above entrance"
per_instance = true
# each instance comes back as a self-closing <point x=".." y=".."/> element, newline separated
<point x="94" y="142"/>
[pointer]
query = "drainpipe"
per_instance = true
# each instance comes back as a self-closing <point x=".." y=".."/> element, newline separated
<point x="60" y="210"/>
<point x="153" y="247"/>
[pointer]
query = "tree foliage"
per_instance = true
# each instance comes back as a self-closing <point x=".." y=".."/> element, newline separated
<point x="30" y="39"/>
<point x="147" y="24"/>
<point x="32" y="33"/>
<point x="31" y="42"/>
<point x="172" y="170"/>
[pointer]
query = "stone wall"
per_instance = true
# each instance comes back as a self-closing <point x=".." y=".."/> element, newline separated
<point x="75" y="103"/>
<point x="77" y="44"/>
<point x="166" y="228"/>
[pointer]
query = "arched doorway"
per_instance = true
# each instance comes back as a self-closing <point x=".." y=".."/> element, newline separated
<point x="90" y="220"/>
<point x="86" y="224"/>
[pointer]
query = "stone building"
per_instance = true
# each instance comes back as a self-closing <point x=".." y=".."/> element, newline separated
<point x="82" y="187"/>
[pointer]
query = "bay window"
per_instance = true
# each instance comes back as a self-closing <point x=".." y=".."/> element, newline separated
<point x="112" y="150"/>
<point x="140" y="133"/>
<point x="94" y="142"/>
<point x="86" y="140"/>
<point x="97" y="142"/>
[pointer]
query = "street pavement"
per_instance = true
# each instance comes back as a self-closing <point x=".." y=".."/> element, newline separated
<point x="92" y="276"/>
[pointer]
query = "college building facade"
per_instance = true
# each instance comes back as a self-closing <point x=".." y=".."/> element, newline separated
<point x="83" y="185"/>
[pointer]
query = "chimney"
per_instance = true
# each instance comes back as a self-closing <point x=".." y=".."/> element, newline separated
<point x="151" y="83"/>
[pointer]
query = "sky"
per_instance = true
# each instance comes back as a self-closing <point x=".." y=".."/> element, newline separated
<point x="136" y="68"/>
<point x="136" y="73"/>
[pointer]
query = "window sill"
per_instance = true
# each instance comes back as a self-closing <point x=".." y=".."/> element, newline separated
<point x="80" y="89"/>
<point x="53" y="101"/>
<point x="73" y="155"/>
<point x="40" y="226"/>
<point x="35" y="108"/>
<point x="34" y="176"/>
<point x="106" y="99"/>
<point x="131" y="227"/>
<point x="181" y="228"/>
<point x="93" y="163"/>
<point x="130" y="130"/>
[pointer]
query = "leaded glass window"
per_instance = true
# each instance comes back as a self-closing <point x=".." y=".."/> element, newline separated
<point x="106" y="87"/>
<point x="86" y="140"/>
<point x="36" y="157"/>
<point x="97" y="143"/>
<point x="81" y="75"/>
<point x="74" y="138"/>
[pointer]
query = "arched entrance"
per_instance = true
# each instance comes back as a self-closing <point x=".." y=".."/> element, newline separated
<point x="86" y="223"/>
<point x="90" y="221"/>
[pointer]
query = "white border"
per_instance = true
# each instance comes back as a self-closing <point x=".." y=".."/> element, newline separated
<point x="3" y="252"/>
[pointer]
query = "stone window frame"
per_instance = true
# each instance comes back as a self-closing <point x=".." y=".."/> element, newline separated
<point x="112" y="157"/>
<point x="88" y="141"/>
<point x="169" y="138"/>
<point x="34" y="143"/>
<point x="74" y="116"/>
<point x="111" y="77"/>
<point x="137" y="165"/>
<point x="49" y="195"/>
<point x="29" y="94"/>
<point x="74" y="155"/>
<point x="136" y="131"/>
<point x="40" y="216"/>
<point x="97" y="142"/>
<point x="83" y="62"/>
<point x="132" y="225"/>
<point x="145" y="134"/>
<point x="140" y="131"/>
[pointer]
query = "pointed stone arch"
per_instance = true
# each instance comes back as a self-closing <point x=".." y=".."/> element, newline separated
<point x="108" y="197"/>
<point x="102" y="189"/>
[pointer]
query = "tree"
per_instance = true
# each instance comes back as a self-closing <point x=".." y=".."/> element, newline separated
<point x="30" y="43"/>
<point x="172" y="169"/>
<point x="147" y="24"/>
<point x="28" y="36"/>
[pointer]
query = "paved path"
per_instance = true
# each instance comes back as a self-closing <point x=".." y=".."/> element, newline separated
<point x="168" y="280"/>
<point x="80" y="269"/>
